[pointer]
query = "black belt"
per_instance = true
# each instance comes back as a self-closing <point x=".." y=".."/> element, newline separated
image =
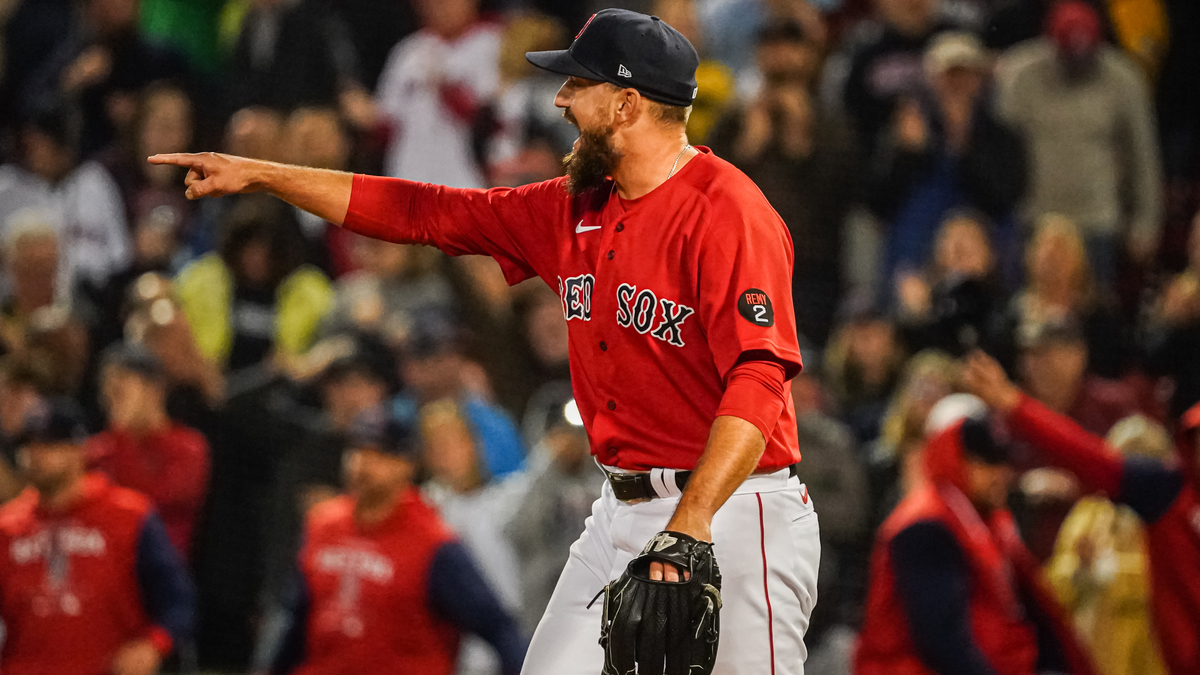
<point x="631" y="487"/>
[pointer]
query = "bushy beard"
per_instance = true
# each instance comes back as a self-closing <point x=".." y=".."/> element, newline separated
<point x="595" y="160"/>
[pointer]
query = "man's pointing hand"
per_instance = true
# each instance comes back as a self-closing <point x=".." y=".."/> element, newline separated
<point x="212" y="174"/>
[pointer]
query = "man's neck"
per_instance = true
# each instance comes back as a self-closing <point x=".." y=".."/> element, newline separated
<point x="368" y="512"/>
<point x="152" y="423"/>
<point x="646" y="163"/>
<point x="63" y="497"/>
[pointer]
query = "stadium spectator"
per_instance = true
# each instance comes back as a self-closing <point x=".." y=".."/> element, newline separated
<point x="295" y="53"/>
<point x="519" y="136"/>
<point x="256" y="299"/>
<point x="152" y="316"/>
<point x="895" y="458"/>
<point x="436" y="368"/>
<point x="90" y="581"/>
<point x="862" y="365"/>
<point x="31" y="257"/>
<point x="164" y="123"/>
<point x="953" y="589"/>
<point x="431" y="90"/>
<point x="563" y="485"/>
<point x="384" y="586"/>
<point x="1052" y="363"/>
<point x="1100" y="571"/>
<point x="957" y="302"/>
<point x="1162" y="494"/>
<point x="80" y="199"/>
<point x="802" y="158"/>
<point x="1059" y="286"/>
<point x="395" y="287"/>
<point x="1083" y="111"/>
<point x="945" y="151"/>
<point x="102" y="66"/>
<point x="1173" y="335"/>
<point x="477" y="506"/>
<point x="886" y="64"/>
<point x="143" y="449"/>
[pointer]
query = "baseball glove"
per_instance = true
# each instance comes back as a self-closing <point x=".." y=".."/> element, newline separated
<point x="664" y="627"/>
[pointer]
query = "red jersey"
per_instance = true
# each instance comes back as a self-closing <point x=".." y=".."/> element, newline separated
<point x="663" y="295"/>
<point x="1000" y="568"/>
<point x="69" y="593"/>
<point x="169" y="466"/>
<point x="368" y="591"/>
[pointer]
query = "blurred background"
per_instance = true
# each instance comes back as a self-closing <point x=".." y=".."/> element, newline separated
<point x="1017" y="175"/>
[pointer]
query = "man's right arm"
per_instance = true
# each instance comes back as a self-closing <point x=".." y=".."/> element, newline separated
<point x="1147" y="486"/>
<point x="510" y="225"/>
<point x="319" y="191"/>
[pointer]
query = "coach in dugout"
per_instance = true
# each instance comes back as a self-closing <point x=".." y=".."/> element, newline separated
<point x="384" y="586"/>
<point x="1163" y="495"/>
<point x="89" y="581"/>
<point x="953" y="589"/>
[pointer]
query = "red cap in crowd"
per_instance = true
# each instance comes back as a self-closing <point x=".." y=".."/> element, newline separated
<point x="1075" y="27"/>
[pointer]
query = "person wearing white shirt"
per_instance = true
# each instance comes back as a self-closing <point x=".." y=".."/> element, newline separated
<point x="434" y="82"/>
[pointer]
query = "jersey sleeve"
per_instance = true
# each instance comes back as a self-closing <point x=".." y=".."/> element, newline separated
<point x="745" y="286"/>
<point x="512" y="225"/>
<point x="166" y="589"/>
<point x="459" y="593"/>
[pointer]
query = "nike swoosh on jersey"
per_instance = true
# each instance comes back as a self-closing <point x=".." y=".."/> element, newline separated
<point x="580" y="229"/>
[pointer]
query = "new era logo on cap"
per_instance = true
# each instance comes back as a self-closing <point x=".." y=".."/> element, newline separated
<point x="623" y="71"/>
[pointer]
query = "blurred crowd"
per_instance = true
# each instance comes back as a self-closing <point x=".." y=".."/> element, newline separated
<point x="1017" y="176"/>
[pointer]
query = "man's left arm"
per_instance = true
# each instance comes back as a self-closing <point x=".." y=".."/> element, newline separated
<point x="167" y="592"/>
<point x="746" y="306"/>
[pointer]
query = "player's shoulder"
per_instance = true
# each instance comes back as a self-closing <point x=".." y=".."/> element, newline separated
<point x="18" y="512"/>
<point x="188" y="437"/>
<point x="120" y="500"/>
<point x="330" y="513"/>
<point x="730" y="193"/>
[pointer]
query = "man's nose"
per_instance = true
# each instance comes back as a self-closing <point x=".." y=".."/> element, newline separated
<point x="563" y="99"/>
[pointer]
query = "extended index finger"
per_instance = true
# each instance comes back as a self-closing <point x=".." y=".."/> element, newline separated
<point x="186" y="159"/>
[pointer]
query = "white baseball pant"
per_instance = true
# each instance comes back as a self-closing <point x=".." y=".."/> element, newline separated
<point x="766" y="543"/>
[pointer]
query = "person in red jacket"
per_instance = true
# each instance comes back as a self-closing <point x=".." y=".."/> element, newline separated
<point x="385" y="587"/>
<point x="1164" y="496"/>
<point x="89" y="582"/>
<point x="143" y="449"/>
<point x="953" y="590"/>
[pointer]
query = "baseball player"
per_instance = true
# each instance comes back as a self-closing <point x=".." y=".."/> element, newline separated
<point x="385" y="587"/>
<point x="89" y="581"/>
<point x="674" y="276"/>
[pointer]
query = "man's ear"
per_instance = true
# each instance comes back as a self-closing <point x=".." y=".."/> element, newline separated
<point x="629" y="105"/>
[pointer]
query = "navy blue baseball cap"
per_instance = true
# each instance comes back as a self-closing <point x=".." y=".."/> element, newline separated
<point x="629" y="49"/>
<point x="57" y="420"/>
<point x="379" y="430"/>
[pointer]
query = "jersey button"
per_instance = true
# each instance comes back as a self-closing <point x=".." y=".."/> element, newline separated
<point x="611" y="254"/>
<point x="612" y="405"/>
<point x="620" y="227"/>
<point x="603" y="346"/>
